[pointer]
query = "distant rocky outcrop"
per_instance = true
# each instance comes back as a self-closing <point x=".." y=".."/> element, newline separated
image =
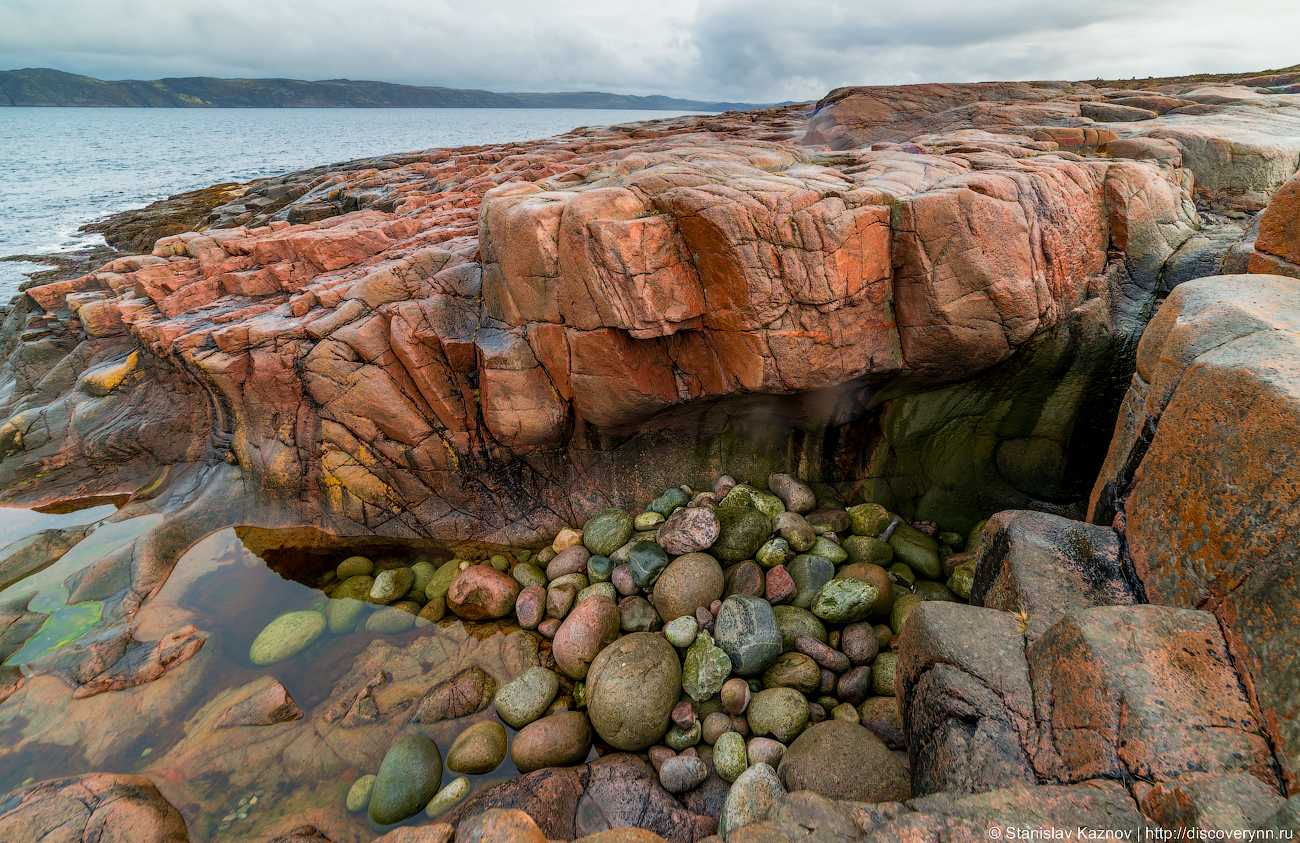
<point x="44" y="86"/>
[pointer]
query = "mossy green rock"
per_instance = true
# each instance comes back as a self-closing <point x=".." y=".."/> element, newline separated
<point x="951" y="539"/>
<point x="742" y="494"/>
<point x="779" y="712"/>
<point x="424" y="572"/>
<point x="845" y="601"/>
<point x="827" y="549"/>
<point x="973" y="540"/>
<point x="963" y="577"/>
<point x="793" y="622"/>
<point x="742" y="530"/>
<point x="479" y="749"/>
<point x="355" y="566"/>
<point x="607" y="531"/>
<point x="868" y="550"/>
<point x="347" y="602"/>
<point x="668" y="501"/>
<point x="931" y="590"/>
<point x="599" y="589"/>
<point x="809" y="573"/>
<point x="730" y="756"/>
<point x="678" y="738"/>
<point x="286" y="636"/>
<point x="773" y="553"/>
<point x="705" y="668"/>
<point x="882" y="674"/>
<point x="903" y="607"/>
<point x="869" y="519"/>
<point x="440" y="582"/>
<point x="919" y="551"/>
<point x="409" y="776"/>
<point x="902" y="573"/>
<point x="647" y="521"/>
<point x="526" y="574"/>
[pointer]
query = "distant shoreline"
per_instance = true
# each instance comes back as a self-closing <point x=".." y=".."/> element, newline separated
<point x="48" y="88"/>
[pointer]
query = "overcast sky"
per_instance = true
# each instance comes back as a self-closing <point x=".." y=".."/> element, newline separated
<point x="752" y="50"/>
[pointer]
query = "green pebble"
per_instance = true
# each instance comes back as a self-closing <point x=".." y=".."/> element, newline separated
<point x="730" y="756"/>
<point x="963" y="577"/>
<point x="526" y="574"/>
<point x="359" y="793"/>
<point x="599" y="569"/>
<point x="827" y="549"/>
<point x="678" y="738"/>
<point x="443" y="801"/>
<point x="773" y="553"/>
<point x="951" y="539"/>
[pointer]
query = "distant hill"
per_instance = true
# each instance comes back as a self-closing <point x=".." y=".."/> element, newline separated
<point x="46" y="87"/>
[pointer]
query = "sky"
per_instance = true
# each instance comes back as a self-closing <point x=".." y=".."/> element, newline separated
<point x="738" y="50"/>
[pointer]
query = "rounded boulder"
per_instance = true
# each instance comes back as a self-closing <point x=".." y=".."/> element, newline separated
<point x="481" y="593"/>
<point x="689" y="582"/>
<point x="589" y="628"/>
<point x="632" y="687"/>
<point x="842" y="760"/>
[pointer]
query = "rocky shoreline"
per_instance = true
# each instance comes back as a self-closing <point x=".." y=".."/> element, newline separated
<point x="891" y="316"/>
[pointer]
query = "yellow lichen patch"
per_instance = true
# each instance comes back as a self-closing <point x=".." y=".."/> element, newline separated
<point x="105" y="379"/>
<point x="341" y="472"/>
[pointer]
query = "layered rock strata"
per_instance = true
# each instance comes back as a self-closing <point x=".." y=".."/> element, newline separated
<point x="490" y="342"/>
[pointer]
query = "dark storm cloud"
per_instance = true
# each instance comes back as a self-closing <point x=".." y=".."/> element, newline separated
<point x="758" y="50"/>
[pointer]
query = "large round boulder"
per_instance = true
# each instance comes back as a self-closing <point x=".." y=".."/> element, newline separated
<point x="842" y="760"/>
<point x="689" y="582"/>
<point x="632" y="687"/>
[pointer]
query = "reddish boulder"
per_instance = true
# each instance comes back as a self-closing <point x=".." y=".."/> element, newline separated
<point x="481" y="592"/>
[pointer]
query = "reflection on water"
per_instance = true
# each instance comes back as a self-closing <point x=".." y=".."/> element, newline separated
<point x="234" y="784"/>
<point x="18" y="523"/>
<point x="106" y="539"/>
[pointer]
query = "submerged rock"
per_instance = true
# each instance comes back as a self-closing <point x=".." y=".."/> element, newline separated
<point x="409" y="776"/>
<point x="286" y="636"/>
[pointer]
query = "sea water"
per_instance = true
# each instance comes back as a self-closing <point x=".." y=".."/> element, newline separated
<point x="63" y="167"/>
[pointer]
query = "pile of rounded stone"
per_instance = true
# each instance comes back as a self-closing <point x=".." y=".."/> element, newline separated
<point x="711" y="631"/>
<point x="712" y="666"/>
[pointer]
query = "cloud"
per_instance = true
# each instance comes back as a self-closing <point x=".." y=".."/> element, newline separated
<point x="756" y="50"/>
